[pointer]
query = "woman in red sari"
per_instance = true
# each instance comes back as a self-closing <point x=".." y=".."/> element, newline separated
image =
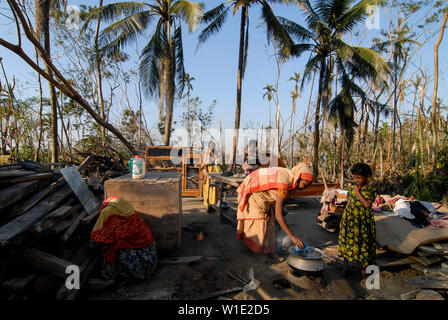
<point x="262" y="189"/>
<point x="127" y="242"/>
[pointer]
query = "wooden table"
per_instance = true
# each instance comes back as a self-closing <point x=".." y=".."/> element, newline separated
<point x="225" y="184"/>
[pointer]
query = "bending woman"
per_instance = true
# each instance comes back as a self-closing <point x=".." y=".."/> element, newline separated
<point x="261" y="190"/>
<point x="127" y="242"/>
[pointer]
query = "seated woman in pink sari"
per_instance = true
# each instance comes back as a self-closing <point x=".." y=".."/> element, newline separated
<point x="257" y="194"/>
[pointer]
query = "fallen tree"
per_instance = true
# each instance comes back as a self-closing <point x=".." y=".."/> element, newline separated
<point x="60" y="82"/>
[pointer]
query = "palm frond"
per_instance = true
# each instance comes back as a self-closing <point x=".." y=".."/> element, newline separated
<point x="179" y="53"/>
<point x="298" y="49"/>
<point x="113" y="12"/>
<point x="119" y="34"/>
<point x="295" y="30"/>
<point x="275" y="30"/>
<point x="370" y="59"/>
<point x="355" y="15"/>
<point x="311" y="67"/>
<point x="214" y="26"/>
<point x="190" y="12"/>
<point x="150" y="57"/>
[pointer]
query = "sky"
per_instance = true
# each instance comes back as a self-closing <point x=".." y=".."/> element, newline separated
<point x="214" y="67"/>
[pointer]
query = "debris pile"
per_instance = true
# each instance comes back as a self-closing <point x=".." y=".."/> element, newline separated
<point x="45" y="222"/>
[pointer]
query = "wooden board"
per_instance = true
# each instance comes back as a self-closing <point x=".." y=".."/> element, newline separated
<point x="13" y="194"/>
<point x="429" y="282"/>
<point x="395" y="262"/>
<point x="80" y="188"/>
<point x="427" y="261"/>
<point x="14" y="173"/>
<point x="25" y="221"/>
<point x="22" y="207"/>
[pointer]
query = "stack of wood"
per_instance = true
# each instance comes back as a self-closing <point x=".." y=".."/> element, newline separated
<point x="333" y="205"/>
<point x="430" y="261"/>
<point x="44" y="228"/>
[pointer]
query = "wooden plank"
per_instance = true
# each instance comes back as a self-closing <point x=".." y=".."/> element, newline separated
<point x="14" y="173"/>
<point x="74" y="225"/>
<point x="25" y="221"/>
<point x="80" y="188"/>
<point x="84" y="164"/>
<point x="90" y="217"/>
<point x="39" y="176"/>
<point x="13" y="194"/>
<point x="63" y="225"/>
<point x="18" y="283"/>
<point x="43" y="261"/>
<point x="20" y="208"/>
<point x="429" y="282"/>
<point x="426" y="261"/>
<point x="5" y="167"/>
<point x="443" y="273"/>
<point x="180" y="260"/>
<point x="441" y="246"/>
<point x="56" y="216"/>
<point x="410" y="295"/>
<point x="396" y="263"/>
<point x="430" y="250"/>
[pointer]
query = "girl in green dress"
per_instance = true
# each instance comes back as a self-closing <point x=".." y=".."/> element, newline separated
<point x="357" y="237"/>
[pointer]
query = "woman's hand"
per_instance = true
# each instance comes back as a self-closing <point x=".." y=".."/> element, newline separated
<point x="297" y="241"/>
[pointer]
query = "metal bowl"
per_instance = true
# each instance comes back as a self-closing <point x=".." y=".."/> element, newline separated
<point x="309" y="263"/>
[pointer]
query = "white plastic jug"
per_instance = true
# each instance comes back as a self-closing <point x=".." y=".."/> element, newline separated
<point x="138" y="167"/>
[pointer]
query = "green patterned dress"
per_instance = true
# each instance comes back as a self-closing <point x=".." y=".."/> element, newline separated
<point x="357" y="237"/>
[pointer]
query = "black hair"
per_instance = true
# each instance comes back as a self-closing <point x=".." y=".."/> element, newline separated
<point x="361" y="169"/>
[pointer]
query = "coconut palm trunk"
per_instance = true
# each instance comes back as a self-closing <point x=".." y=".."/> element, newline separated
<point x="317" y="120"/>
<point x="42" y="18"/>
<point x="239" y="82"/>
<point x="98" y="58"/>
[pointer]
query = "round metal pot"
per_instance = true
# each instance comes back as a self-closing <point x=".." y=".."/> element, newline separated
<point x="314" y="263"/>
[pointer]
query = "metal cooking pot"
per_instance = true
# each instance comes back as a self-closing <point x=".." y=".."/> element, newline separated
<point x="310" y="263"/>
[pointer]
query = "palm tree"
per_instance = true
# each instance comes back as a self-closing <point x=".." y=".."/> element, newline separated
<point x="42" y="19"/>
<point x="187" y="83"/>
<point x="327" y="22"/>
<point x="294" y="95"/>
<point x="269" y="92"/>
<point x="161" y="65"/>
<point x="216" y="17"/>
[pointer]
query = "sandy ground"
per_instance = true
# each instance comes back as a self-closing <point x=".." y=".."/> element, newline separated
<point x="220" y="252"/>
